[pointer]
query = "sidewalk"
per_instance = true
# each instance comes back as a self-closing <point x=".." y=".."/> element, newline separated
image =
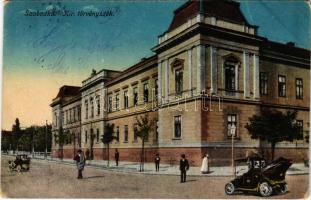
<point x="166" y="169"/>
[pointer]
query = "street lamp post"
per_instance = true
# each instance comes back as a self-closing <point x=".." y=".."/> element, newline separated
<point x="33" y="143"/>
<point x="232" y="153"/>
<point x="46" y="140"/>
<point x="232" y="131"/>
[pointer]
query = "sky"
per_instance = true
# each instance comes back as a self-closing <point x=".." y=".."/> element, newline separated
<point x="40" y="54"/>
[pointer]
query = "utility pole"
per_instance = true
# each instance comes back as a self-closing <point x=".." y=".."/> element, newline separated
<point x="46" y="140"/>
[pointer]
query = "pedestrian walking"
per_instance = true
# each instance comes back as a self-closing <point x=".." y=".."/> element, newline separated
<point x="183" y="167"/>
<point x="116" y="157"/>
<point x="157" y="162"/>
<point x="80" y="162"/>
<point x="205" y="165"/>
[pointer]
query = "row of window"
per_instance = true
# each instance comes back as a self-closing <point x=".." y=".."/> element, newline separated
<point x="70" y="140"/>
<point x="69" y="116"/>
<point x="73" y="115"/>
<point x="95" y="136"/>
<point x="281" y="85"/>
<point x="231" y="130"/>
<point x="229" y="76"/>
<point x="117" y="134"/>
<point x="91" y="101"/>
<point x="135" y="97"/>
<point x="232" y="125"/>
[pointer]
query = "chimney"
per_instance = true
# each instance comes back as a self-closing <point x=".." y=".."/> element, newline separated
<point x="292" y="44"/>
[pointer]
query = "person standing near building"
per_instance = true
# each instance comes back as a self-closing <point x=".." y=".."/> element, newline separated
<point x="183" y="167"/>
<point x="80" y="162"/>
<point x="205" y="166"/>
<point x="116" y="157"/>
<point x="157" y="162"/>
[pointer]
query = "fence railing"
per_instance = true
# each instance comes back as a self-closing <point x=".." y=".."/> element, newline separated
<point x="36" y="154"/>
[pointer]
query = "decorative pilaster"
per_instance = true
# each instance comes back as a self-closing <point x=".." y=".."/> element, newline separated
<point x="190" y="71"/>
<point x="256" y="76"/>
<point x="167" y="78"/>
<point x="160" y="82"/>
<point x="200" y="18"/>
<point x="246" y="79"/>
<point x="201" y="68"/>
<point x="214" y="68"/>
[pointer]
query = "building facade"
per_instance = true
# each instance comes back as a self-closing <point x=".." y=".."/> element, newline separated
<point x="210" y="73"/>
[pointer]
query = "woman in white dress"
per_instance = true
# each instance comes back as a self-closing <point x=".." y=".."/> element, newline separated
<point x="205" y="167"/>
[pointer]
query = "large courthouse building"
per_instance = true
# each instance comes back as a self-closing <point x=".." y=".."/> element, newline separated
<point x="210" y="73"/>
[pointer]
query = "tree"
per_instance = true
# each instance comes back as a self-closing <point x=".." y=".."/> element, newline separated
<point x="16" y="127"/>
<point x="24" y="142"/>
<point x="145" y="126"/>
<point x="6" y="140"/>
<point x="40" y="141"/>
<point x="274" y="126"/>
<point x="16" y="133"/>
<point x="61" y="139"/>
<point x="108" y="137"/>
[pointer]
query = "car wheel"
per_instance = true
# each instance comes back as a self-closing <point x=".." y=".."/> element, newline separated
<point x="283" y="189"/>
<point x="229" y="188"/>
<point x="265" y="189"/>
<point x="18" y="168"/>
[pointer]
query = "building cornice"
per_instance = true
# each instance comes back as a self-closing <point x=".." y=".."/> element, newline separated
<point x="145" y="64"/>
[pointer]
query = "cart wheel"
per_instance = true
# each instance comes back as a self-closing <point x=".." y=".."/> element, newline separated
<point x="283" y="189"/>
<point x="18" y="168"/>
<point x="265" y="189"/>
<point x="11" y="167"/>
<point x="229" y="188"/>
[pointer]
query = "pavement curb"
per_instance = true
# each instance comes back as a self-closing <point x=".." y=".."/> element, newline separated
<point x="137" y="172"/>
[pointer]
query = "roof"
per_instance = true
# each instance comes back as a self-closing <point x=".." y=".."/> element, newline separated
<point x="224" y="9"/>
<point x="98" y="72"/>
<point x="137" y="66"/>
<point x="67" y="90"/>
<point x="288" y="49"/>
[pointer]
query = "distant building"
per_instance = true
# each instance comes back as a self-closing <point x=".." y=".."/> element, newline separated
<point x="210" y="73"/>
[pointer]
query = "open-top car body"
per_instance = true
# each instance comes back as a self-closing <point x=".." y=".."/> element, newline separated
<point x="261" y="178"/>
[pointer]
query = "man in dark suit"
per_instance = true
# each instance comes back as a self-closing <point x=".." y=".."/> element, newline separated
<point x="80" y="162"/>
<point x="157" y="162"/>
<point x="183" y="167"/>
<point x="116" y="156"/>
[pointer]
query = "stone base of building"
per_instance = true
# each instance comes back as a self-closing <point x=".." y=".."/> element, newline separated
<point x="218" y="156"/>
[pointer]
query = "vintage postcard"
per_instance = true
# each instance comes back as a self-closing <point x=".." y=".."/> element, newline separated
<point x="181" y="99"/>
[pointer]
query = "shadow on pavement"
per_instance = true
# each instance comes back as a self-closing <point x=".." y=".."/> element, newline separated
<point x="190" y="180"/>
<point x="93" y="177"/>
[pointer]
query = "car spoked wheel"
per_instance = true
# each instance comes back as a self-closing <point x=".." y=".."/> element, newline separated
<point x="265" y="189"/>
<point x="229" y="188"/>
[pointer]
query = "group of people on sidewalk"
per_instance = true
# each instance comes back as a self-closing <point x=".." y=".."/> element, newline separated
<point x="183" y="164"/>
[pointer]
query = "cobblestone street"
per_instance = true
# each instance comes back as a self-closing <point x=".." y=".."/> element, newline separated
<point x="52" y="180"/>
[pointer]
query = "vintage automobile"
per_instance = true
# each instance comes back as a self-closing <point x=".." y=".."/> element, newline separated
<point x="260" y="178"/>
<point x="21" y="163"/>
